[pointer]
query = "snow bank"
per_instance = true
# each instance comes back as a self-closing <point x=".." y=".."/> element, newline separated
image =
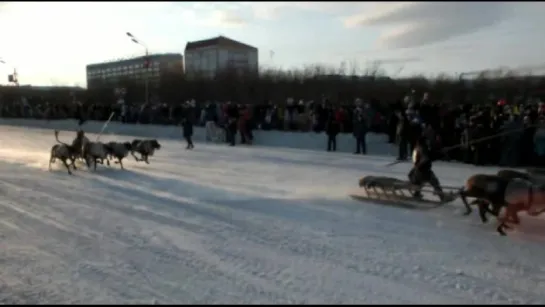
<point x="376" y="143"/>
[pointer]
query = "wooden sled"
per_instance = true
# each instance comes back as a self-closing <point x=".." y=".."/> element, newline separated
<point x="398" y="193"/>
<point x="536" y="172"/>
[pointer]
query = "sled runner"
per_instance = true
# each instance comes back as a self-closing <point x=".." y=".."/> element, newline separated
<point x="536" y="170"/>
<point x="396" y="192"/>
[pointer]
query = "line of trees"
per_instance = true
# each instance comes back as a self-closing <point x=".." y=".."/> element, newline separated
<point x="337" y="84"/>
<point x="310" y="83"/>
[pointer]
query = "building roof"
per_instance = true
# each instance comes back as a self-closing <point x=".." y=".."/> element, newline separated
<point x="216" y="41"/>
<point x="139" y="58"/>
<point x="50" y="88"/>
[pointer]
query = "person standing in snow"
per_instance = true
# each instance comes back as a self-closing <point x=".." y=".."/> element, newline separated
<point x="187" y="127"/>
<point x="360" y="130"/>
<point x="422" y="172"/>
<point x="332" y="129"/>
<point x="210" y="118"/>
<point x="402" y="135"/>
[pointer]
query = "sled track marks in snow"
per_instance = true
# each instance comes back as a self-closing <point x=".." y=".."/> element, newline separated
<point x="228" y="225"/>
<point x="266" y="258"/>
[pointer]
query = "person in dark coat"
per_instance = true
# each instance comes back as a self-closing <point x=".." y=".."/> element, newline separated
<point x="402" y="135"/>
<point x="78" y="113"/>
<point x="392" y="126"/>
<point x="422" y="172"/>
<point x="360" y="126"/>
<point x="187" y="126"/>
<point x="188" y="119"/>
<point x="527" y="142"/>
<point x="332" y="128"/>
<point x="210" y="120"/>
<point x="232" y="120"/>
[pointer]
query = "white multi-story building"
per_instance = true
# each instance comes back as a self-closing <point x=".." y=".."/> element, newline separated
<point x="137" y="69"/>
<point x="206" y="58"/>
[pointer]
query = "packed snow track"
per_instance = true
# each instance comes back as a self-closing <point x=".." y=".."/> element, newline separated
<point x="243" y="225"/>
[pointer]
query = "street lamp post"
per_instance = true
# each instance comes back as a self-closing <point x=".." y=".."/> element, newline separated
<point x="14" y="75"/>
<point x="139" y="42"/>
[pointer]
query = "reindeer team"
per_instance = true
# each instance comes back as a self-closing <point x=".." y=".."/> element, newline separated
<point x="513" y="190"/>
<point x="97" y="152"/>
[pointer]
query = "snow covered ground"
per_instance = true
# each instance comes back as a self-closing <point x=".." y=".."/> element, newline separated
<point x="243" y="225"/>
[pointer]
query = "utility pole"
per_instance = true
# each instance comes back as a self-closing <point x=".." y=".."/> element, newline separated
<point x="146" y="63"/>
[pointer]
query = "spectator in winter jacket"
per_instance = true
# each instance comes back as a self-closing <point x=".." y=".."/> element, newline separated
<point x="539" y="143"/>
<point x="321" y="114"/>
<point x="526" y="143"/>
<point x="415" y="131"/>
<point x="340" y="116"/>
<point x="392" y="126"/>
<point x="187" y="126"/>
<point x="360" y="127"/>
<point x="402" y="135"/>
<point x="244" y="125"/>
<point x="232" y="119"/>
<point x="210" y="119"/>
<point x="270" y="119"/>
<point x="332" y="129"/>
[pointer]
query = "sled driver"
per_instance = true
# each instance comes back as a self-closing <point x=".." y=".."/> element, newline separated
<point x="421" y="172"/>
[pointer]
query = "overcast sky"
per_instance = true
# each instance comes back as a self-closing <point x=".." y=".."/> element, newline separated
<point x="51" y="42"/>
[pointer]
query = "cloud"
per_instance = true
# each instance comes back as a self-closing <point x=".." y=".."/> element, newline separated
<point x="213" y="14"/>
<point x="217" y="18"/>
<point x="226" y="18"/>
<point x="418" y="24"/>
<point x="273" y="10"/>
<point x="4" y="7"/>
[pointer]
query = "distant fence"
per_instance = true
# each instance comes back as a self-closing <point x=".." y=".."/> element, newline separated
<point x="376" y="143"/>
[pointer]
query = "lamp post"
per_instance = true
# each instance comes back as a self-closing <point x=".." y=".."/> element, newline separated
<point x="146" y="73"/>
<point x="14" y="75"/>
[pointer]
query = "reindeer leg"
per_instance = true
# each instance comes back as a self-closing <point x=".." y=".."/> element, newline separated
<point x="495" y="209"/>
<point x="88" y="161"/>
<point x="513" y="217"/>
<point x="135" y="157"/>
<point x="51" y="160"/>
<point x="503" y="220"/>
<point x="121" y="163"/>
<point x="463" y="196"/>
<point x="375" y="191"/>
<point x="146" y="159"/>
<point x="483" y="208"/>
<point x="67" y="166"/>
<point x="500" y="228"/>
<point x="535" y="213"/>
<point x="366" y="191"/>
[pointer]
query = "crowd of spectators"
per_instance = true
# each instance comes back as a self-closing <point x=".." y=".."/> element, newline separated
<point x="495" y="131"/>
<point x="499" y="132"/>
